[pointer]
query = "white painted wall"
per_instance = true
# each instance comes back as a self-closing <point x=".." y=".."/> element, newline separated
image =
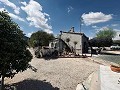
<point x="73" y="37"/>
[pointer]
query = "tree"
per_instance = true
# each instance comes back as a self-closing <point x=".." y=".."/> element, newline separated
<point x="105" y="33"/>
<point x="103" y="38"/>
<point x="101" y="42"/>
<point x="75" y="42"/>
<point x="14" y="56"/>
<point x="40" y="38"/>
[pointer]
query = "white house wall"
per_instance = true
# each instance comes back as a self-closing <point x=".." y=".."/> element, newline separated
<point x="73" y="37"/>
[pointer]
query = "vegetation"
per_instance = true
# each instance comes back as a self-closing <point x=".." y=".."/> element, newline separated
<point x="105" y="33"/>
<point x="103" y="38"/>
<point x="14" y="56"/>
<point x="40" y="38"/>
<point x="101" y="42"/>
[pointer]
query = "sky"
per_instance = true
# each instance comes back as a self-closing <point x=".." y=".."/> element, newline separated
<point x="53" y="16"/>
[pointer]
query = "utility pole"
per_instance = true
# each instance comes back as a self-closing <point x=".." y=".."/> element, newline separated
<point x="81" y="46"/>
<point x="80" y="24"/>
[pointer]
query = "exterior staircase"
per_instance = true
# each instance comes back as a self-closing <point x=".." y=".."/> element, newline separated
<point x="70" y="48"/>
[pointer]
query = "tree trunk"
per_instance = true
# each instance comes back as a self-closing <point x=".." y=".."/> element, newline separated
<point x="75" y="49"/>
<point x="2" y="83"/>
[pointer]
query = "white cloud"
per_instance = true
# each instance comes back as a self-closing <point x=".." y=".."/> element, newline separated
<point x="2" y="9"/>
<point x="70" y="8"/>
<point x="29" y="34"/>
<point x="36" y="16"/>
<point x="95" y="17"/>
<point x="12" y="5"/>
<point x="82" y="24"/>
<point x="48" y="31"/>
<point x="13" y="15"/>
<point x="16" y="17"/>
<point x="95" y="27"/>
<point x="24" y="3"/>
<point x="114" y="25"/>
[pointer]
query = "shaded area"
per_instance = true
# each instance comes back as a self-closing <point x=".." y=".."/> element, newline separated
<point x="52" y="56"/>
<point x="67" y="45"/>
<point x="30" y="84"/>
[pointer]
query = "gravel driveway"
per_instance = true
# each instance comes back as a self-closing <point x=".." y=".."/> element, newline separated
<point x="54" y="74"/>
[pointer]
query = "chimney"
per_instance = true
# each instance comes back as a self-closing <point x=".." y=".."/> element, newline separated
<point x="72" y="29"/>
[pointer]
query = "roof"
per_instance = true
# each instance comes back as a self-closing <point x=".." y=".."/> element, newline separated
<point x="74" y="33"/>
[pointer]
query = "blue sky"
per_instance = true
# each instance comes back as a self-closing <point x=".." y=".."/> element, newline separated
<point x="55" y="15"/>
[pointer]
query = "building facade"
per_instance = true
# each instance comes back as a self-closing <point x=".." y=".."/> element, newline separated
<point x="71" y="41"/>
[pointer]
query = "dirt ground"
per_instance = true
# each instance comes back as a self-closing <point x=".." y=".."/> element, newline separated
<point x="53" y="74"/>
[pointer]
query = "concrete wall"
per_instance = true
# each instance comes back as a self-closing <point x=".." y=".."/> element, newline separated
<point x="74" y="37"/>
<point x="80" y="38"/>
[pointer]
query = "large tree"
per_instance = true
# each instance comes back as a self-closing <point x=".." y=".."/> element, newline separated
<point x="101" y="42"/>
<point x="14" y="56"/>
<point x="40" y="38"/>
<point x="103" y="38"/>
<point x="106" y="33"/>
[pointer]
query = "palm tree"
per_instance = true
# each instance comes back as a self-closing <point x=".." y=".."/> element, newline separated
<point x="75" y="42"/>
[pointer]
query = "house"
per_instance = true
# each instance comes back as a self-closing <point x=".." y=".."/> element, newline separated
<point x="70" y="41"/>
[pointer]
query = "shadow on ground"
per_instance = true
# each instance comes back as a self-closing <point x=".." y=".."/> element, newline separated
<point x="105" y="53"/>
<point x="30" y="84"/>
<point x="50" y="58"/>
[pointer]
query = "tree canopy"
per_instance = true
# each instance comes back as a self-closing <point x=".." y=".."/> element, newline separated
<point x="101" y="42"/>
<point x="103" y="38"/>
<point x="14" y="55"/>
<point x="40" y="38"/>
<point x="105" y="33"/>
